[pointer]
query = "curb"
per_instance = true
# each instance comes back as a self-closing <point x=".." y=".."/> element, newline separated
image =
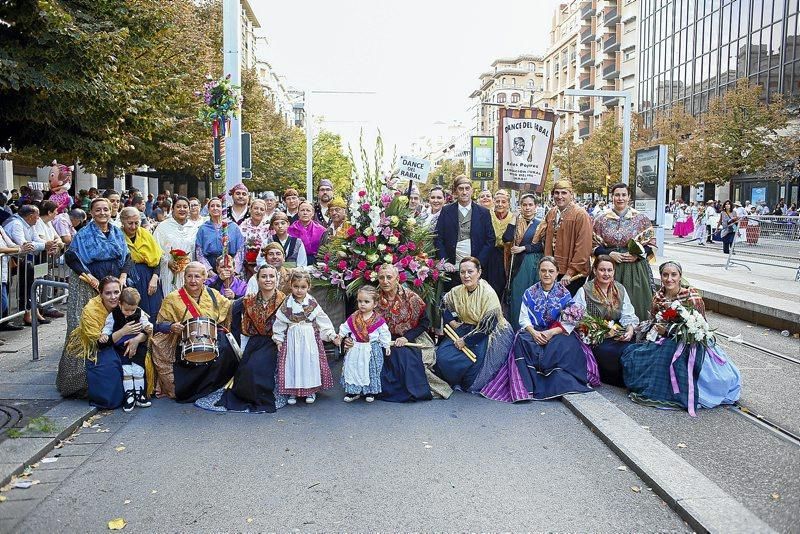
<point x="693" y="496"/>
<point x="16" y="453"/>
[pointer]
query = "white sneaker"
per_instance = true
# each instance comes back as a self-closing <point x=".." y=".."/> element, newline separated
<point x="311" y="398"/>
<point x="369" y="398"/>
<point x="291" y="400"/>
<point x="351" y="398"/>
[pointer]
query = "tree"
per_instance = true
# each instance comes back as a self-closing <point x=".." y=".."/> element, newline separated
<point x="603" y="157"/>
<point x="570" y="158"/>
<point x="331" y="163"/>
<point x="676" y="128"/>
<point x="444" y="174"/>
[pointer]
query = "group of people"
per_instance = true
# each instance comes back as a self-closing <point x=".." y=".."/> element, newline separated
<point x="227" y="314"/>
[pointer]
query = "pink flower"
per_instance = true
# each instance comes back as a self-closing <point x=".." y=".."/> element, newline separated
<point x="362" y="193"/>
<point x="351" y="231"/>
<point x="342" y="265"/>
<point x="325" y="268"/>
<point x="371" y="239"/>
<point x="360" y="240"/>
<point x="387" y="232"/>
<point x="413" y="265"/>
<point x="368" y="275"/>
<point x="430" y="262"/>
<point x="365" y="206"/>
<point x="435" y="275"/>
<point x="356" y="273"/>
<point x="417" y="282"/>
<point x="405" y="261"/>
<point x="411" y="245"/>
<point x="402" y="249"/>
<point x="362" y="265"/>
<point x="403" y="277"/>
<point x="327" y="257"/>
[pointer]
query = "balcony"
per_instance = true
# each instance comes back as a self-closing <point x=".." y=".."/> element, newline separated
<point x="611" y="16"/>
<point x="587" y="34"/>
<point x="587" y="9"/>
<point x="586" y="59"/>
<point x="585" y="106"/>
<point x="610" y="101"/>
<point x="610" y="68"/>
<point x="587" y="81"/>
<point x="611" y="43"/>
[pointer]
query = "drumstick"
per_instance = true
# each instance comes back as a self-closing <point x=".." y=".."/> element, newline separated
<point x="413" y="345"/>
<point x="453" y="337"/>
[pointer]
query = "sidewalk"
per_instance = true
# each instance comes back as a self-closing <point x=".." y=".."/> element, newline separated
<point x="28" y="393"/>
<point x="766" y="295"/>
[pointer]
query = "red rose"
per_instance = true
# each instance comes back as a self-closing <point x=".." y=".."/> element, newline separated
<point x="342" y="265"/>
<point x="351" y="231"/>
<point x="403" y="277"/>
<point x="670" y="314"/>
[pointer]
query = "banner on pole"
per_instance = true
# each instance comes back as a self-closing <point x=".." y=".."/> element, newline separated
<point x="414" y="169"/>
<point x="525" y="138"/>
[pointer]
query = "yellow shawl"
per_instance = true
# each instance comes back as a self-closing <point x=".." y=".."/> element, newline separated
<point x="82" y="342"/>
<point x="500" y="226"/>
<point x="472" y="307"/>
<point x="145" y="249"/>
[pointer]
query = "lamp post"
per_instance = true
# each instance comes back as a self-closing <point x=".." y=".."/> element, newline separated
<point x="231" y="47"/>
<point x="310" y="134"/>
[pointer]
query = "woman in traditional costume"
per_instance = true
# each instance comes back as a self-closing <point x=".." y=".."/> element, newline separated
<point x="613" y="230"/>
<point x="501" y="219"/>
<point x="606" y="299"/>
<point x="682" y="219"/>
<point x="103" y="364"/>
<point x="177" y="378"/>
<point x="256" y="231"/>
<point x="407" y="373"/>
<point x="176" y="233"/>
<point x="97" y="250"/>
<point x="253" y="388"/>
<point x="211" y="237"/>
<point x="475" y="322"/>
<point x="666" y="373"/>
<point x="547" y="360"/>
<point x="146" y="256"/>
<point x="294" y="251"/>
<point x="307" y="230"/>
<point x="526" y="249"/>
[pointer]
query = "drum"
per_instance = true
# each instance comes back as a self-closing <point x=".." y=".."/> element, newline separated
<point x="199" y="341"/>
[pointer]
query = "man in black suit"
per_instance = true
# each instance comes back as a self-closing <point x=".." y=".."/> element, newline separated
<point x="464" y="229"/>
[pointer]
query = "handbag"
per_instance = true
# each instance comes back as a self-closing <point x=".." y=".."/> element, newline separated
<point x="71" y="378"/>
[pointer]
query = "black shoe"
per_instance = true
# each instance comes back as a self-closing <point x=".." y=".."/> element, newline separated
<point x="141" y="399"/>
<point x="53" y="313"/>
<point x="130" y="400"/>
<point x="10" y="327"/>
<point x="40" y="321"/>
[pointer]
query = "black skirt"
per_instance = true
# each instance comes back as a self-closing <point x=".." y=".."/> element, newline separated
<point x="195" y="381"/>
<point x="254" y="382"/>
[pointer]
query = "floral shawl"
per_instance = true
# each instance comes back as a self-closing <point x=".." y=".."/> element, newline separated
<point x="403" y="313"/>
<point x="686" y="295"/>
<point x="361" y="329"/>
<point x="606" y="307"/>
<point x="144" y="248"/>
<point x="614" y="230"/>
<point x="259" y="315"/>
<point x="544" y="308"/>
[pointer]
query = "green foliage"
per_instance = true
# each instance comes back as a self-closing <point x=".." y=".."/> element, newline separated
<point x="37" y="425"/>
<point x="444" y="174"/>
<point x="330" y="162"/>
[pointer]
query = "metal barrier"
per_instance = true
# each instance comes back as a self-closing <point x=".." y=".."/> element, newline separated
<point x="771" y="237"/>
<point x="35" y="316"/>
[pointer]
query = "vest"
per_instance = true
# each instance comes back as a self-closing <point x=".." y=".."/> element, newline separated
<point x="464" y="225"/>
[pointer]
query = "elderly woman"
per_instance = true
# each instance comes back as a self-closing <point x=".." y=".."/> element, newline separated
<point x="526" y="249"/>
<point x="604" y="298"/>
<point x="612" y="232"/>
<point x="407" y="373"/>
<point x="472" y="312"/>
<point x="307" y="230"/>
<point x="253" y="388"/>
<point x="657" y="372"/>
<point x="178" y="377"/>
<point x="102" y="363"/>
<point x="256" y="230"/>
<point x="176" y="233"/>
<point x="211" y="238"/>
<point x="501" y="218"/>
<point x="146" y="257"/>
<point x="293" y="249"/>
<point x="547" y="360"/>
<point x="337" y="212"/>
<point x="98" y="250"/>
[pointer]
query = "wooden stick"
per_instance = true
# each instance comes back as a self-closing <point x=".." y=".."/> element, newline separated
<point x="453" y="337"/>
<point x="413" y="345"/>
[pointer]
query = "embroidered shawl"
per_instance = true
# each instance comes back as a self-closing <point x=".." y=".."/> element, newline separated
<point x="544" y="308"/>
<point x="472" y="308"/>
<point x="361" y="328"/>
<point x="403" y="313"/>
<point x="82" y="342"/>
<point x="259" y="314"/>
<point x="615" y="230"/>
<point x="209" y="239"/>
<point x="608" y="307"/>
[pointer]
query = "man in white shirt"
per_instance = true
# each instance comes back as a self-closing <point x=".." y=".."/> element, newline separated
<point x="21" y="229"/>
<point x="709" y="216"/>
<point x="114" y="201"/>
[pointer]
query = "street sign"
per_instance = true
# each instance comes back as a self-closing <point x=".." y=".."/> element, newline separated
<point x="247" y="174"/>
<point x="247" y="162"/>
<point x="482" y="157"/>
<point x="414" y="169"/>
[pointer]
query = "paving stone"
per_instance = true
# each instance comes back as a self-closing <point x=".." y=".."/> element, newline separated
<point x="8" y="524"/>
<point x="47" y="476"/>
<point x="73" y="449"/>
<point x="89" y="436"/>
<point x="64" y="462"/>
<point x="36" y="492"/>
<point x="21" y="450"/>
<point x="25" y="391"/>
<point x="18" y="509"/>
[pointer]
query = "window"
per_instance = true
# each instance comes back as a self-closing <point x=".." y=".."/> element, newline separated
<point x="514" y="98"/>
<point x="501" y="98"/>
<point x="513" y="82"/>
<point x="530" y="84"/>
<point x="531" y="67"/>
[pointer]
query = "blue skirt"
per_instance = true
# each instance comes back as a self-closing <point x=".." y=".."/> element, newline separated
<point x="105" y="380"/>
<point x="375" y="365"/>
<point x="719" y="381"/>
<point x="607" y="354"/>
<point x="253" y="387"/>
<point x="552" y="370"/>
<point x="645" y="369"/>
<point x="139" y="277"/>
<point x="454" y="366"/>
<point x="403" y="376"/>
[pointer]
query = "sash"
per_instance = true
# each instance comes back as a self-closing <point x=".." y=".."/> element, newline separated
<point x="189" y="303"/>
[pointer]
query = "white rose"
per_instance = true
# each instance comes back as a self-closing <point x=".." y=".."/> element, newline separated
<point x="381" y="247"/>
<point x="393" y="240"/>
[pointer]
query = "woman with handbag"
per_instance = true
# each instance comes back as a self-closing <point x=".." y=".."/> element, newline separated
<point x="728" y="225"/>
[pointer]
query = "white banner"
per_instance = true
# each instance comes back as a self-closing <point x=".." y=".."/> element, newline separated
<point x="526" y="144"/>
<point x="415" y="169"/>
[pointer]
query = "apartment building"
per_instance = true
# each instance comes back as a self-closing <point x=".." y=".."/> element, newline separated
<point x="510" y="82"/>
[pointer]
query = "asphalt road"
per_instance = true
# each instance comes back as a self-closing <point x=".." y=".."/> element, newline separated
<point x="462" y="464"/>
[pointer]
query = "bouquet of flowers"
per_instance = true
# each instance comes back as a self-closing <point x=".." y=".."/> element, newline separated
<point x="252" y="248"/>
<point x="594" y="330"/>
<point x="684" y="324"/>
<point x="181" y="260"/>
<point x="222" y="101"/>
<point x="572" y="314"/>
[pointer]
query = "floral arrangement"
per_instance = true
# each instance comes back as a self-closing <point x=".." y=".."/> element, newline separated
<point x="222" y="100"/>
<point x="181" y="260"/>
<point x="252" y="248"/>
<point x="572" y="314"/>
<point x="683" y="323"/>
<point x="594" y="330"/>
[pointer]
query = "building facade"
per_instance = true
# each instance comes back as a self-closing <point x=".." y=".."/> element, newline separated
<point x="694" y="51"/>
<point x="511" y="82"/>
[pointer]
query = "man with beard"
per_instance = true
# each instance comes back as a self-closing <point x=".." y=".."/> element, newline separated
<point x="239" y="211"/>
<point x="568" y="237"/>
<point x="324" y="196"/>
